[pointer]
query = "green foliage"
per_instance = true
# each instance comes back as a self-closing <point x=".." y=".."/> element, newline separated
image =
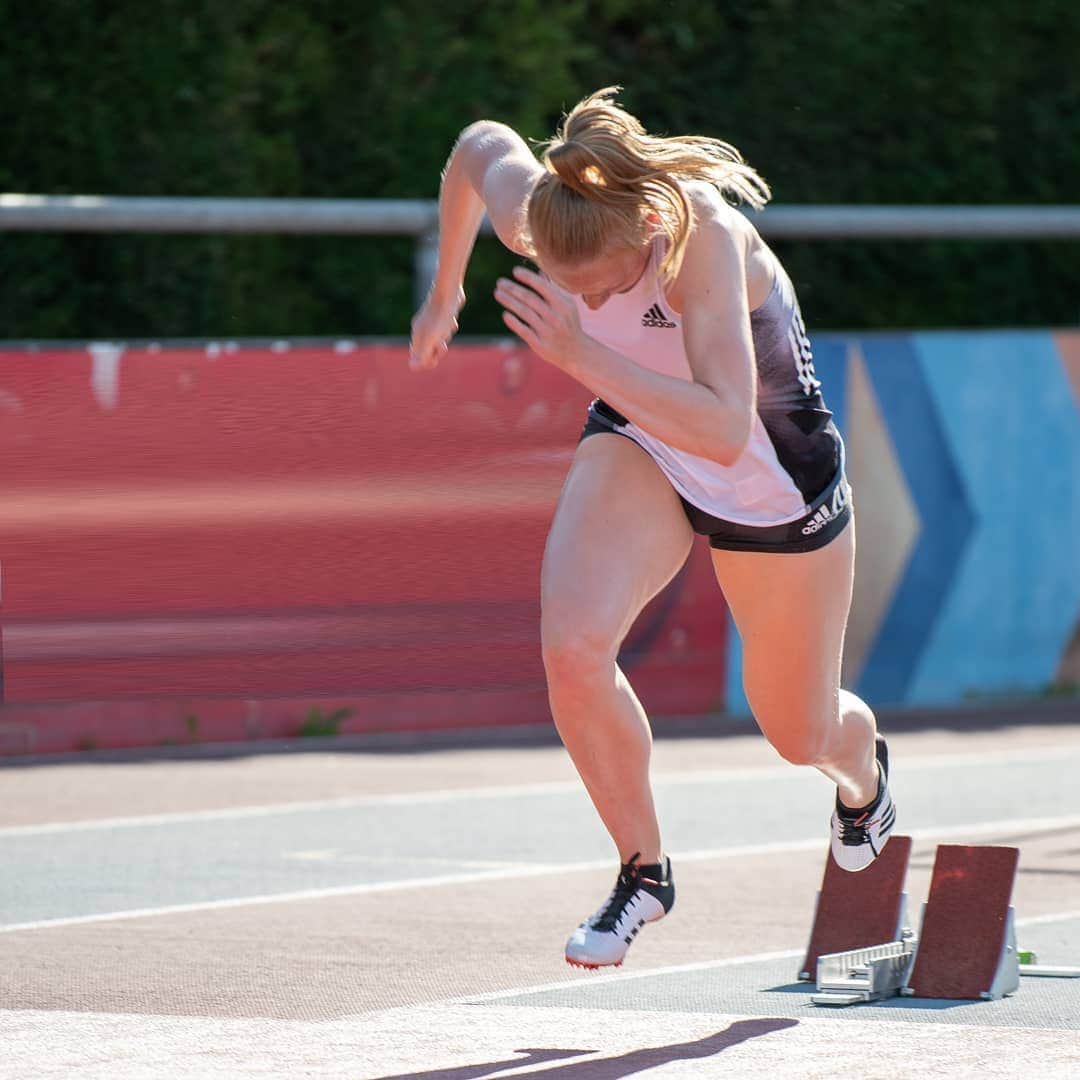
<point x="900" y="101"/>
<point x="317" y="724"/>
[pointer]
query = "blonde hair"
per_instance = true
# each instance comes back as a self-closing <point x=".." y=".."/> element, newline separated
<point x="607" y="183"/>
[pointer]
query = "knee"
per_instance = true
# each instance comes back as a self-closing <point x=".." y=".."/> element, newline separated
<point x="803" y="747"/>
<point x="797" y="732"/>
<point x="806" y="735"/>
<point x="574" y="651"/>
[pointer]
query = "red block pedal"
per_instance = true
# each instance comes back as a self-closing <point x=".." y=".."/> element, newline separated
<point x="966" y="934"/>
<point x="857" y="910"/>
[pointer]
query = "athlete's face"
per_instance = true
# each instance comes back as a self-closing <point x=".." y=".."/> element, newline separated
<point x="616" y="271"/>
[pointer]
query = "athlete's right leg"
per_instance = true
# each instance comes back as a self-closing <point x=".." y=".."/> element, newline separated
<point x="618" y="537"/>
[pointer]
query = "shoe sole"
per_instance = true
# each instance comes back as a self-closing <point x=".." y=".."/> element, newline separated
<point x="591" y="967"/>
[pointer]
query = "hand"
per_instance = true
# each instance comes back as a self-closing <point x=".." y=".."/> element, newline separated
<point x="545" y="319"/>
<point x="432" y="328"/>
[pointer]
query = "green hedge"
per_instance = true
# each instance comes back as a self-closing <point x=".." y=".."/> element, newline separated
<point x="841" y="102"/>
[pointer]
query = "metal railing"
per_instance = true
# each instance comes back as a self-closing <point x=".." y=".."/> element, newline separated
<point x="419" y="218"/>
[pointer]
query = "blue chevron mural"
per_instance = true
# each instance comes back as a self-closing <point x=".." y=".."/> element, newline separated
<point x="1011" y="425"/>
<point x="964" y="452"/>
<point x="940" y="497"/>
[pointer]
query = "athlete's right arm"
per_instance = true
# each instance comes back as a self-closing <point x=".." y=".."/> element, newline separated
<point x="492" y="168"/>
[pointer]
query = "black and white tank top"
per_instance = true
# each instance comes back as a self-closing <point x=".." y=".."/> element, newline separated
<point x="794" y="448"/>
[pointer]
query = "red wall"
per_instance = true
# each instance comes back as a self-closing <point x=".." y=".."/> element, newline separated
<point x="241" y="534"/>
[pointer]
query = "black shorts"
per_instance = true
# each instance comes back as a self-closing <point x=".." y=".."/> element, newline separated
<point x="828" y="515"/>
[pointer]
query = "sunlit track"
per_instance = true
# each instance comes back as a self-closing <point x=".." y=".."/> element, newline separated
<point x="417" y="930"/>
<point x="503" y="791"/>
<point x="986" y="831"/>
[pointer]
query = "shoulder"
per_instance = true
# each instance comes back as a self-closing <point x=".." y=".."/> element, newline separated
<point x="494" y="141"/>
<point x="716" y="221"/>
<point x="717" y="249"/>
<point x="503" y="171"/>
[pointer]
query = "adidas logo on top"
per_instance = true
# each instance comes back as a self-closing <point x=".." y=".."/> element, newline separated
<point x="656" y="317"/>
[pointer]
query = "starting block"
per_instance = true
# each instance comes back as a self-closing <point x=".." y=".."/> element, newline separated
<point x="967" y="944"/>
<point x="966" y="948"/>
<point x="859" y="911"/>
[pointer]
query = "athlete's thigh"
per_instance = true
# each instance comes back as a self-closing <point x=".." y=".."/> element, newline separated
<point x="791" y="611"/>
<point x="619" y="535"/>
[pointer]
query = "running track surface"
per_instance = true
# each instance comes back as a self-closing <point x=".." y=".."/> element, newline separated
<point x="371" y="910"/>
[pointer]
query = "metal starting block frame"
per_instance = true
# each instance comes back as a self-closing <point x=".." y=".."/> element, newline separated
<point x="859" y="975"/>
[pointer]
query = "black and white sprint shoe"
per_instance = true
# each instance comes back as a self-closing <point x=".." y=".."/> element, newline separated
<point x="642" y="894"/>
<point x="858" y="836"/>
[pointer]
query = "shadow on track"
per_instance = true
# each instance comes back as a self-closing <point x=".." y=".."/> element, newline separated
<point x="610" y="1068"/>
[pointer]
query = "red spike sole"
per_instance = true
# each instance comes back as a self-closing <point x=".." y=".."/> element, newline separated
<point x="591" y="967"/>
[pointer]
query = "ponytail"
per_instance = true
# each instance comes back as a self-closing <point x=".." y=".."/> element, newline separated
<point x="608" y="183"/>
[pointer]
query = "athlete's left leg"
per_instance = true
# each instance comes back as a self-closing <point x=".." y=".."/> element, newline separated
<point x="791" y="610"/>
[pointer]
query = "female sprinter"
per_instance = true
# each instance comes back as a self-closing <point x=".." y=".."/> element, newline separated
<point x="659" y="296"/>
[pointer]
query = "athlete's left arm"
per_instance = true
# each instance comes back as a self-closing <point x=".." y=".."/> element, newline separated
<point x="710" y="415"/>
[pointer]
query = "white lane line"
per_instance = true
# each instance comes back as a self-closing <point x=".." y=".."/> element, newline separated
<point x="747" y="774"/>
<point x="1038" y="920"/>
<point x="270" y="809"/>
<point x="338" y="855"/>
<point x="606" y="978"/>
<point x="1006" y="826"/>
<point x="511" y="871"/>
<point x="291" y="897"/>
